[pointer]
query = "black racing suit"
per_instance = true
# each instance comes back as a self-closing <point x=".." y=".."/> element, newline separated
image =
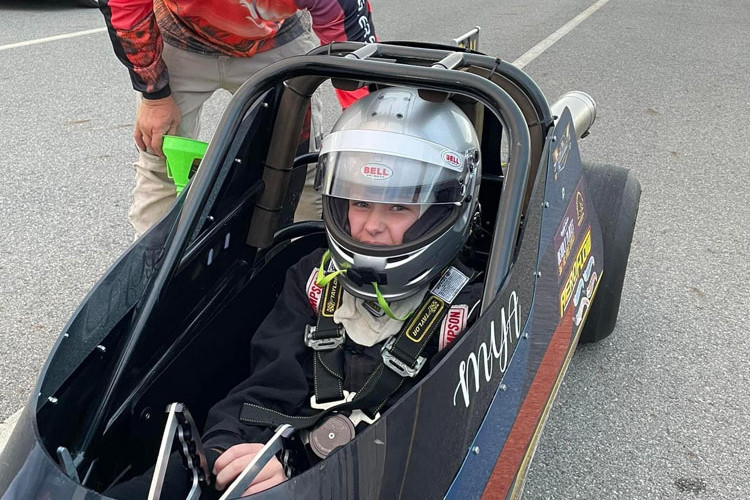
<point x="281" y="368"/>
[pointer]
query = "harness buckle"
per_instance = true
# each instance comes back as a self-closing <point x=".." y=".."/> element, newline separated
<point x="358" y="416"/>
<point x="394" y="363"/>
<point x="324" y="406"/>
<point x="325" y="344"/>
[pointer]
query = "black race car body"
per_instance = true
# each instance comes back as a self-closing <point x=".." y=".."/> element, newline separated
<point x="172" y="318"/>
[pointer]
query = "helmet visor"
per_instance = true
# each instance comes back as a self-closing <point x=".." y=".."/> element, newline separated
<point x="383" y="167"/>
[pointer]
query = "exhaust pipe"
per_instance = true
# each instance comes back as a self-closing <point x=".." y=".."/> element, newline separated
<point x="582" y="108"/>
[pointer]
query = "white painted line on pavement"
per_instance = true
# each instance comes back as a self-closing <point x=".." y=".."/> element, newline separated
<point x="51" y="38"/>
<point x="557" y="35"/>
<point x="7" y="427"/>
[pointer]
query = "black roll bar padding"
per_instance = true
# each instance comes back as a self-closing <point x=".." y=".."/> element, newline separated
<point x="280" y="159"/>
<point x="323" y="67"/>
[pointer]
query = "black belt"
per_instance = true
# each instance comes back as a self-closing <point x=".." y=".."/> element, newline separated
<point x="326" y="339"/>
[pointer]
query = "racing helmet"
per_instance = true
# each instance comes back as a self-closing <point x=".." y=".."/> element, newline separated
<point x="394" y="147"/>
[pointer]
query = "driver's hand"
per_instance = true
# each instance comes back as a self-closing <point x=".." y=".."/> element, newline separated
<point x="154" y="119"/>
<point x="233" y="461"/>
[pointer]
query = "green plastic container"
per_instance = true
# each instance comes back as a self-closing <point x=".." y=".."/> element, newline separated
<point x="183" y="158"/>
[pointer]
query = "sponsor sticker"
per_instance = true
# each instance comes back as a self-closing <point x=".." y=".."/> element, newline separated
<point x="592" y="283"/>
<point x="579" y="291"/>
<point x="331" y="299"/>
<point x="561" y="152"/>
<point x="568" y="233"/>
<point x="452" y="159"/>
<point x="424" y="319"/>
<point x="585" y="283"/>
<point x="580" y="207"/>
<point x="453" y="324"/>
<point x="564" y="240"/>
<point x="376" y="171"/>
<point x="585" y="303"/>
<point x="313" y="290"/>
<point x="582" y="299"/>
<point x="579" y="263"/>
<point x="373" y="308"/>
<point x="450" y="284"/>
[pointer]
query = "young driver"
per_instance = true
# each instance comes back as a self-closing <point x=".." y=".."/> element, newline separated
<point x="399" y="177"/>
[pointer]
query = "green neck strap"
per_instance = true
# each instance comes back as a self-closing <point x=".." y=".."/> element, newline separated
<point x="323" y="279"/>
<point x="384" y="305"/>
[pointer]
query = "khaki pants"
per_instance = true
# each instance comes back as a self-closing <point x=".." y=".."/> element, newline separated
<point x="193" y="78"/>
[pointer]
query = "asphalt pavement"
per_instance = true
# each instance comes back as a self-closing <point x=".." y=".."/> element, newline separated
<point x="657" y="410"/>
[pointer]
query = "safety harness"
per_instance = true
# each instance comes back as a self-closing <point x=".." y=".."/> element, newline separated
<point x="401" y="355"/>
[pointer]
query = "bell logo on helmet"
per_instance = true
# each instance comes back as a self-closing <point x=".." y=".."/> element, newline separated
<point x="452" y="159"/>
<point x="376" y="172"/>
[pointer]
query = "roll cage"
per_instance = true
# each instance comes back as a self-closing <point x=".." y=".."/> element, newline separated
<point x="233" y="226"/>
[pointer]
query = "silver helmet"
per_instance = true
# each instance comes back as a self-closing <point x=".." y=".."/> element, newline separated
<point x="393" y="147"/>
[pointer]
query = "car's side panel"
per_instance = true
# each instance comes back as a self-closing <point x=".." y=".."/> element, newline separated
<point x="498" y="459"/>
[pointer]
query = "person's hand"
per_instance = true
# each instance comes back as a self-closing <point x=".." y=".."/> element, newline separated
<point x="233" y="461"/>
<point x="154" y="119"/>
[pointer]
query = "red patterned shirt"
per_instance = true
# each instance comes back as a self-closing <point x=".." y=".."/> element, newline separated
<point x="237" y="28"/>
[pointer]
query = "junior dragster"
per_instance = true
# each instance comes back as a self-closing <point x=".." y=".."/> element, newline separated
<point x="165" y="333"/>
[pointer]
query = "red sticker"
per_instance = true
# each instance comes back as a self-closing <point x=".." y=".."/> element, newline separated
<point x="451" y="158"/>
<point x="313" y="291"/>
<point x="453" y="324"/>
<point x="377" y="172"/>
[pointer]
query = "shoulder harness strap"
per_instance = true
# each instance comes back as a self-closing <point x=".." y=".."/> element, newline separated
<point x="326" y="339"/>
<point x="402" y="355"/>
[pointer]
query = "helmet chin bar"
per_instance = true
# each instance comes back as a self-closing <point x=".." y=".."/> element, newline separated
<point x="362" y="275"/>
<point x="369" y="270"/>
<point x="399" y="271"/>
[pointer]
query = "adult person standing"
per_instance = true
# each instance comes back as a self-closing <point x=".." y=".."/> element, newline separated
<point x="179" y="52"/>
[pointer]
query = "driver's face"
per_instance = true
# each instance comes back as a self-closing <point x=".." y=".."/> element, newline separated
<point x="380" y="223"/>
